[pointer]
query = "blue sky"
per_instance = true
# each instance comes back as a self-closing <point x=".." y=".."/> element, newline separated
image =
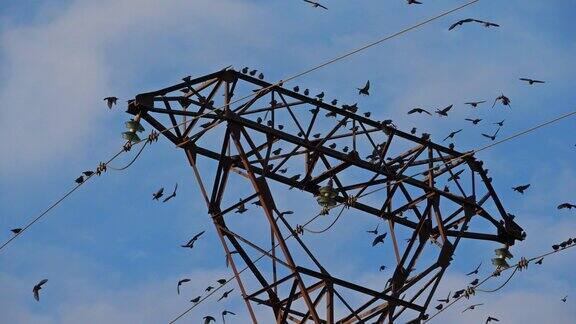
<point x="112" y="254"/>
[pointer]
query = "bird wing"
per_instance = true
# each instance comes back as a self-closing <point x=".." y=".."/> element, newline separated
<point x="525" y="79"/>
<point x="42" y="282"/>
<point x="485" y="135"/>
<point x="426" y="111"/>
<point x="321" y="6"/>
<point x="36" y="295"/>
<point x="197" y="235"/>
<point x="367" y="86"/>
<point x="454" y="25"/>
<point x="412" y="111"/>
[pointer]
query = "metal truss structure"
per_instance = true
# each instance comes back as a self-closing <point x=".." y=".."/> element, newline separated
<point x="377" y="170"/>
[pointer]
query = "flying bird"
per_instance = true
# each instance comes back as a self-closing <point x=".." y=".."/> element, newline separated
<point x="492" y="137"/>
<point x="172" y="195"/>
<point x="37" y="287"/>
<point x="460" y="23"/>
<point x="474" y="121"/>
<point x="374" y="231"/>
<point x="452" y="135"/>
<point x="472" y="307"/>
<point x="474" y="104"/>
<point x="418" y="110"/>
<point x="208" y="319"/>
<point x="566" y="205"/>
<point x="486" y="23"/>
<point x="16" y="230"/>
<point x="500" y="123"/>
<point x="190" y="243"/>
<point x="365" y="89"/>
<point x="490" y="319"/>
<point x="379" y="239"/>
<point x="110" y="101"/>
<point x="445" y="300"/>
<point x="316" y="4"/>
<point x="225" y="294"/>
<point x="505" y="101"/>
<point x="382" y="268"/>
<point x="158" y="194"/>
<point x="180" y="282"/>
<point x="521" y="189"/>
<point x="475" y="270"/>
<point x="444" y="112"/>
<point x="564" y="299"/>
<point x="531" y="81"/>
<point x="226" y="312"/>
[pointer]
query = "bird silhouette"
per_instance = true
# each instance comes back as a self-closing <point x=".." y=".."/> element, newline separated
<point x="445" y="300"/>
<point x="439" y="306"/>
<point x="475" y="104"/>
<point x="79" y="180"/>
<point x="566" y="206"/>
<point x="531" y="81"/>
<point x="88" y="173"/>
<point x="306" y="92"/>
<point x="413" y="2"/>
<point x="474" y="121"/>
<point x="475" y="270"/>
<point x="490" y="319"/>
<point x="241" y="209"/>
<point x="364" y="90"/>
<point x="296" y="88"/>
<point x="492" y="137"/>
<point x="444" y="112"/>
<point x="190" y="243"/>
<point x="457" y="293"/>
<point x="253" y="72"/>
<point x="283" y="170"/>
<point x="379" y="239"/>
<point x="195" y="299"/>
<point x="452" y="135"/>
<point x="486" y="23"/>
<point x="16" y="230"/>
<point x="221" y="281"/>
<point x="472" y="307"/>
<point x="374" y="231"/>
<point x="37" y="287"/>
<point x="245" y="70"/>
<point x="345" y="149"/>
<point x="226" y="312"/>
<point x="382" y="268"/>
<point x="521" y="189"/>
<point x="172" y="195"/>
<point x="505" y="101"/>
<point x="317" y="135"/>
<point x="475" y="282"/>
<point x="180" y="282"/>
<point x="539" y="262"/>
<point x="277" y="151"/>
<point x="316" y="4"/>
<point x="334" y="102"/>
<point x="110" y="101"/>
<point x="460" y="23"/>
<point x="158" y="194"/>
<point x="208" y="319"/>
<point x="419" y="110"/>
<point x="413" y="130"/>
<point x="261" y="76"/>
<point x="225" y="294"/>
<point x="564" y="299"/>
<point x="500" y="123"/>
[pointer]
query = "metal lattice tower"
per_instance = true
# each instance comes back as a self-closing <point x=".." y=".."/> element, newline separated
<point x="257" y="139"/>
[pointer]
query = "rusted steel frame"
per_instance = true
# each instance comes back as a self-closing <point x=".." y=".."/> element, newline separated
<point x="332" y="132"/>
<point x="335" y="176"/>
<point x="172" y="118"/>
<point x="287" y="157"/>
<point x="219" y="179"/>
<point x="205" y="104"/>
<point x="346" y="135"/>
<point x="391" y="228"/>
<point x="409" y="162"/>
<point x="461" y="209"/>
<point x="270" y="108"/>
<point x="455" y="180"/>
<point x="289" y="108"/>
<point x="366" y="184"/>
<point x="382" y="154"/>
<point x="274" y="269"/>
<point x="311" y="124"/>
<point x="181" y="113"/>
<point x="402" y="156"/>
<point x="346" y="304"/>
<point x="282" y="156"/>
<point x="426" y="161"/>
<point x="447" y="167"/>
<point x="329" y="303"/>
<point x="196" y="91"/>
<point x="244" y="107"/>
<point x="316" y="301"/>
<point x="267" y="210"/>
<point x="418" y="293"/>
<point x="254" y="246"/>
<point x="331" y="172"/>
<point x="284" y="314"/>
<point x="272" y="285"/>
<point x="355" y="287"/>
<point x="236" y="205"/>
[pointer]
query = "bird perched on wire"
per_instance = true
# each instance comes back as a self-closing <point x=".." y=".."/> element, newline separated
<point x="208" y="289"/>
<point x="172" y="195"/>
<point x="475" y="282"/>
<point x="439" y="306"/>
<point x="566" y="206"/>
<point x="16" y="230"/>
<point x="490" y="319"/>
<point x="158" y="194"/>
<point x="221" y="281"/>
<point x="225" y="294"/>
<point x="316" y="4"/>
<point x="492" y="137"/>
<point x="539" y="262"/>
<point x="379" y="239"/>
<point x="475" y="270"/>
<point x="419" y="110"/>
<point x="180" y="282"/>
<point x="190" y="243"/>
<point x="79" y="180"/>
<point x="208" y="319"/>
<point x="37" y="287"/>
<point x="364" y="90"/>
<point x="451" y="135"/>
<point x="521" y="189"/>
<point x="444" y="112"/>
<point x="472" y="307"/>
<point x="531" y="81"/>
<point x="474" y="121"/>
<point x="110" y="101"/>
<point x="505" y="101"/>
<point x="475" y="104"/>
<point x="226" y="312"/>
<point x="195" y="299"/>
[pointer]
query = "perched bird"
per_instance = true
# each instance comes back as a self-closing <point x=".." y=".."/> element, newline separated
<point x="444" y="112"/>
<point x="110" y="101"/>
<point x="334" y="102"/>
<point x="505" y="101"/>
<point x="37" y="287"/>
<point x="474" y="104"/>
<point x="190" y="243"/>
<point x="472" y="307"/>
<point x="564" y="299"/>
<point x="475" y="282"/>
<point x="317" y="135"/>
<point x="296" y="88"/>
<point x="225" y="294"/>
<point x="539" y="262"/>
<point x="555" y="247"/>
<point x="253" y="72"/>
<point x="296" y="177"/>
<point x="474" y="121"/>
<point x="367" y="114"/>
<point x="316" y="4"/>
<point x="455" y="176"/>
<point x="158" y="194"/>
<point x="208" y="289"/>
<point x="365" y="89"/>
<point x="283" y="170"/>
<point x="88" y="173"/>
<point x="413" y="130"/>
<point x="457" y="293"/>
<point x="492" y="137"/>
<point x="475" y="270"/>
<point x="306" y="92"/>
<point x="452" y="135"/>
<point x="500" y="123"/>
<point x="195" y="299"/>
<point x="16" y="230"/>
<point x="226" y="312"/>
<point x="320" y="96"/>
<point x="261" y="76"/>
<point x="221" y="281"/>
<point x="439" y="306"/>
<point x="531" y="81"/>
<point x="418" y="110"/>
<point x="379" y="239"/>
<point x="332" y="146"/>
<point x="79" y="180"/>
<point x="490" y="319"/>
<point x="241" y="209"/>
<point x="180" y="282"/>
<point x="460" y="23"/>
<point x="172" y="195"/>
<point x="374" y="231"/>
<point x="208" y="319"/>
<point x="445" y="300"/>
<point x="382" y="268"/>
<point x="277" y="151"/>
<point x="521" y="189"/>
<point x="245" y="70"/>
<point x="566" y="205"/>
<point x="345" y="149"/>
